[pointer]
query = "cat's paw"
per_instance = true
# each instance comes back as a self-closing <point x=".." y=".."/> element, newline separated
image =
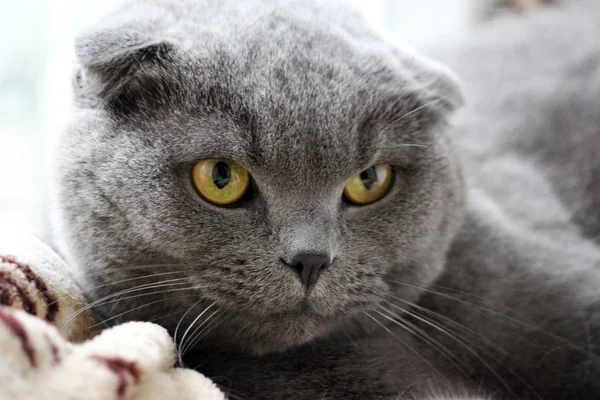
<point x="130" y="361"/>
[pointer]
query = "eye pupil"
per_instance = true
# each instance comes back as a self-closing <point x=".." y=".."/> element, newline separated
<point x="221" y="174"/>
<point x="369" y="177"/>
<point x="369" y="185"/>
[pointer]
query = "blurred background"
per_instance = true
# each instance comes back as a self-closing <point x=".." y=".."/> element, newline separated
<point x="36" y="38"/>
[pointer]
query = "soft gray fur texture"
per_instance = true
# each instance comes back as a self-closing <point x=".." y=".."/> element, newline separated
<point x="478" y="274"/>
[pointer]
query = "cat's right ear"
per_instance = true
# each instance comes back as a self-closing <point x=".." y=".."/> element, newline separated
<point x="107" y="73"/>
<point x="119" y="59"/>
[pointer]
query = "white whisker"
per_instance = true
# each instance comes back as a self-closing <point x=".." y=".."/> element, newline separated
<point x="122" y="292"/>
<point x="134" y="278"/>
<point x="413" y="350"/>
<point x="477" y="355"/>
<point x="132" y="310"/>
<point x="188" y="329"/>
<point x="176" y="333"/>
<point x="427" y="338"/>
<point x="492" y="312"/>
<point x="109" y="270"/>
<point x="411" y="112"/>
<point x="199" y="334"/>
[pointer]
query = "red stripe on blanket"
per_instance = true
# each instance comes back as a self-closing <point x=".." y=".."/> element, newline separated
<point x="121" y="368"/>
<point x="53" y="348"/>
<point x="8" y="285"/>
<point x="51" y="303"/>
<point x="19" y="331"/>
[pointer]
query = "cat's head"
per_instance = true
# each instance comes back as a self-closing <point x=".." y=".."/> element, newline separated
<point x="301" y="100"/>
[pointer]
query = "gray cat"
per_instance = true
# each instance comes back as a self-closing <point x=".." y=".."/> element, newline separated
<point x="297" y="201"/>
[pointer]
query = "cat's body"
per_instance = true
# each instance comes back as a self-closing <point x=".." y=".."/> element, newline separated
<point x="501" y="280"/>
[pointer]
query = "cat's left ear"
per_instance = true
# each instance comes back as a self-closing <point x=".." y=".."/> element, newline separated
<point x="439" y="87"/>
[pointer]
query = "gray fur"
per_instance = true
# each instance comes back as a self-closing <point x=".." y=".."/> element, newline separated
<point x="304" y="95"/>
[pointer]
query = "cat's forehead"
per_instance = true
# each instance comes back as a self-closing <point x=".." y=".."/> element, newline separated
<point x="305" y="126"/>
<point x="240" y="104"/>
<point x="278" y="88"/>
<point x="319" y="102"/>
<point x="317" y="115"/>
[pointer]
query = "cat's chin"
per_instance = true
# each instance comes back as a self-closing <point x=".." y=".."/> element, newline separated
<point x="272" y="334"/>
<point x="289" y="335"/>
<point x="271" y="347"/>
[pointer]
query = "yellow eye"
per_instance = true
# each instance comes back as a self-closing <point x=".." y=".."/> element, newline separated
<point x="370" y="185"/>
<point x="220" y="182"/>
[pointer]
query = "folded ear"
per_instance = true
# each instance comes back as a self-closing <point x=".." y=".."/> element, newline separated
<point x="107" y="73"/>
<point x="438" y="85"/>
<point x="121" y="56"/>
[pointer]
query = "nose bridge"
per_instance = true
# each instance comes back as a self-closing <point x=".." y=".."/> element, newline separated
<point x="307" y="231"/>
